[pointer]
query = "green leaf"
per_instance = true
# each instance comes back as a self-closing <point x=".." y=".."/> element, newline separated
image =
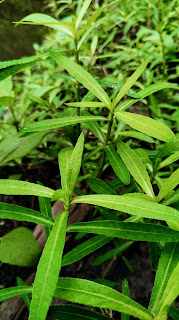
<point x="51" y="124"/>
<point x="174" y="157"/>
<point x="135" y="167"/>
<point x="85" y="104"/>
<point x="145" y="93"/>
<point x="19" y="146"/>
<point x="24" y="188"/>
<point x="19" y="247"/>
<point x="136" y="135"/>
<point x="84" y="249"/>
<point x="46" y="210"/>
<point x="26" y="297"/>
<point x="100" y="187"/>
<point x="118" y="165"/>
<point x="168" y="148"/>
<point x="13" y="292"/>
<point x="174" y="313"/>
<point x="82" y="76"/>
<point x="60" y="194"/>
<point x="130" y="82"/>
<point x="171" y="292"/>
<point x="131" y="205"/>
<point x="169" y="185"/>
<point x="46" y="20"/>
<point x="147" y="125"/>
<point x="48" y="269"/>
<point x="126" y="292"/>
<point x="75" y="163"/>
<point x="127" y="230"/>
<point x="82" y="12"/>
<point x="94" y="126"/>
<point x="11" y="211"/>
<point x="8" y="68"/>
<point x="96" y="295"/>
<point x="63" y="159"/>
<point x="68" y="312"/>
<point x="167" y="263"/>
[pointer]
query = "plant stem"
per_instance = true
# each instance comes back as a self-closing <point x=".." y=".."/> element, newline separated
<point x="105" y="143"/>
<point x="109" y="267"/>
<point x="77" y="93"/>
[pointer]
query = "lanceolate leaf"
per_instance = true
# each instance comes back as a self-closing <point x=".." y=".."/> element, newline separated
<point x="126" y="291"/>
<point x="60" y="122"/>
<point x="26" y="297"/>
<point x="11" y="211"/>
<point x="127" y="230"/>
<point x="64" y="159"/>
<point x="86" y="104"/>
<point x="174" y="157"/>
<point x="169" y="185"/>
<point x="69" y="312"/>
<point x="48" y="270"/>
<point x="82" y="12"/>
<point x="135" y="167"/>
<point x="147" y="125"/>
<point x="94" y="126"/>
<point x="136" y="135"/>
<point x="46" y="210"/>
<point x="13" y="292"/>
<point x="82" y="76"/>
<point x="90" y="293"/>
<point x="100" y="187"/>
<point x="84" y="249"/>
<point x="118" y="165"/>
<point x="130" y="82"/>
<point x="24" y="188"/>
<point x="167" y="263"/>
<point x="131" y="205"/>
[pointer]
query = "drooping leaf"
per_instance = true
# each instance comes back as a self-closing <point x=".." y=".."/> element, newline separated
<point x="130" y="82"/>
<point x="127" y="230"/>
<point x="12" y="211"/>
<point x="68" y="312"/>
<point x="48" y="269"/>
<point x="19" y="247"/>
<point x="26" y="297"/>
<point x="131" y="205"/>
<point x="167" y="263"/>
<point x="82" y="76"/>
<point x="51" y="124"/>
<point x="147" y="125"/>
<point x="118" y="165"/>
<point x="84" y="249"/>
<point x="135" y="167"/>
<point x="169" y="185"/>
<point x="24" y="188"/>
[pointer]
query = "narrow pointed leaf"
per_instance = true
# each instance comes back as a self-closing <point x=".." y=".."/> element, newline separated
<point x="83" y="10"/>
<point x="46" y="210"/>
<point x="147" y="125"/>
<point x="86" y="104"/>
<point x="167" y="263"/>
<point x="169" y="185"/>
<point x="13" y="292"/>
<point x="135" y="167"/>
<point x="26" y="297"/>
<point x="100" y="187"/>
<point x="11" y="211"/>
<point x="174" y="313"/>
<point x="174" y="157"/>
<point x="82" y="76"/>
<point x="48" y="270"/>
<point x="136" y="135"/>
<point x="24" y="188"/>
<point x="130" y="82"/>
<point x="60" y="122"/>
<point x="131" y="205"/>
<point x="127" y="230"/>
<point x="126" y="291"/>
<point x="84" y="249"/>
<point x="68" y="312"/>
<point x="63" y="159"/>
<point x="118" y="165"/>
<point x="60" y="194"/>
<point x="94" y="126"/>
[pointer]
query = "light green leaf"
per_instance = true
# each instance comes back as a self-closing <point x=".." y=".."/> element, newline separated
<point x="135" y="167"/>
<point x="82" y="76"/>
<point x="85" y="104"/>
<point x="11" y="211"/>
<point x="82" y="12"/>
<point x="127" y="230"/>
<point x="167" y="263"/>
<point x="24" y="188"/>
<point x="26" y="297"/>
<point x="84" y="249"/>
<point x="131" y="205"/>
<point x="100" y="187"/>
<point x="168" y="148"/>
<point x="48" y="270"/>
<point x="130" y="82"/>
<point x="8" y="293"/>
<point x="60" y="194"/>
<point x="6" y="87"/>
<point x="46" y="20"/>
<point x="75" y="163"/>
<point x="147" y="125"/>
<point x="19" y="247"/>
<point x="169" y="185"/>
<point x="68" y="312"/>
<point x="60" y="122"/>
<point x="63" y="159"/>
<point x="46" y="210"/>
<point x="171" y="292"/>
<point x="136" y="135"/>
<point x="174" y="157"/>
<point x="94" y="126"/>
<point x="118" y="165"/>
